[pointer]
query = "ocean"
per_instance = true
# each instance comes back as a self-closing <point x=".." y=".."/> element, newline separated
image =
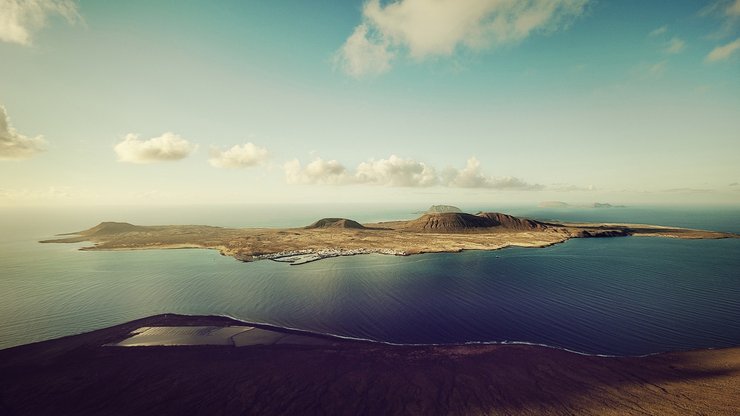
<point x="614" y="296"/>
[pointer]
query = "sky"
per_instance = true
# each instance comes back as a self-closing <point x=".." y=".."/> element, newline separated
<point x="428" y="101"/>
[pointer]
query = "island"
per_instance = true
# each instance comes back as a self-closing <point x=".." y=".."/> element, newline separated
<point x="432" y="232"/>
<point x="439" y="209"/>
<point x="561" y="204"/>
<point x="206" y="365"/>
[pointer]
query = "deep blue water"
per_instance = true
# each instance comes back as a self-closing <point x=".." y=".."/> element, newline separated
<point x="623" y="296"/>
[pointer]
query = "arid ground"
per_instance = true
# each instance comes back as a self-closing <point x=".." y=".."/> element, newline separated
<point x="78" y="375"/>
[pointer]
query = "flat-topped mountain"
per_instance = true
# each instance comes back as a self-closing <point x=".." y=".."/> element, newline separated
<point x="448" y="222"/>
<point x="336" y="223"/>
<point x="511" y="222"/>
<point x="452" y="222"/>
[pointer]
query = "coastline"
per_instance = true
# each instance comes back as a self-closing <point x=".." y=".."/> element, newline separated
<point x="77" y="374"/>
<point x="334" y="237"/>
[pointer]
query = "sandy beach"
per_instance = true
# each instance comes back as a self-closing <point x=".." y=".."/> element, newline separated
<point x="324" y="375"/>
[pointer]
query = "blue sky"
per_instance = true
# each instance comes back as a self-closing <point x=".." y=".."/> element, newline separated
<point x="475" y="101"/>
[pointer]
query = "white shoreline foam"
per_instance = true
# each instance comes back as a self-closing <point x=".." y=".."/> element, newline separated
<point x="395" y="344"/>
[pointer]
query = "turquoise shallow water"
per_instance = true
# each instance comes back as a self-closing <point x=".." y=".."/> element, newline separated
<point x="607" y="296"/>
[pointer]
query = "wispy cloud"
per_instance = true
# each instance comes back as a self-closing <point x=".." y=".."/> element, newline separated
<point x="670" y="46"/>
<point x="399" y="172"/>
<point x="646" y="71"/>
<point x="239" y="156"/>
<point x="657" y="69"/>
<point x="659" y="31"/>
<point x="733" y="9"/>
<point x="727" y="12"/>
<point x="20" y="19"/>
<point x="167" y="147"/>
<point x="15" y="146"/>
<point x="723" y="52"/>
<point x="675" y="45"/>
<point x="361" y="56"/>
<point x="726" y="8"/>
<point x="424" y="28"/>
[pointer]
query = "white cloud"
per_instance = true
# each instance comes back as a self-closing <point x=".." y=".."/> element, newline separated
<point x="675" y="45"/>
<point x="15" y="146"/>
<point x="427" y="28"/>
<point x="319" y="171"/>
<point x="19" y="19"/>
<point x="361" y="56"/>
<point x="167" y="147"/>
<point x="394" y="171"/>
<point x="398" y="172"/>
<point x="721" y="53"/>
<point x="239" y="156"/>
<point x="472" y="177"/>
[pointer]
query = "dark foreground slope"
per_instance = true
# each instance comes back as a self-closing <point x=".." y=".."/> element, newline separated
<point x="75" y="375"/>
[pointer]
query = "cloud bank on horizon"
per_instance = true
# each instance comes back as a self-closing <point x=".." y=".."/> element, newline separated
<point x="396" y="171"/>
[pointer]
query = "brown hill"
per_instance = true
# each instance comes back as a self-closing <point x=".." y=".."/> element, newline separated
<point x="110" y="227"/>
<point x="513" y="223"/>
<point x="453" y="222"/>
<point x="336" y="223"/>
<point x="448" y="222"/>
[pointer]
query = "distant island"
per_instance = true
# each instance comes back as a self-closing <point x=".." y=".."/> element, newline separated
<point x="606" y="205"/>
<point x="439" y="209"/>
<point x="332" y="237"/>
<point x="561" y="204"/>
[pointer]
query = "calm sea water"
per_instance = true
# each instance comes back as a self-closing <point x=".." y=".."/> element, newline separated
<point x="624" y="296"/>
